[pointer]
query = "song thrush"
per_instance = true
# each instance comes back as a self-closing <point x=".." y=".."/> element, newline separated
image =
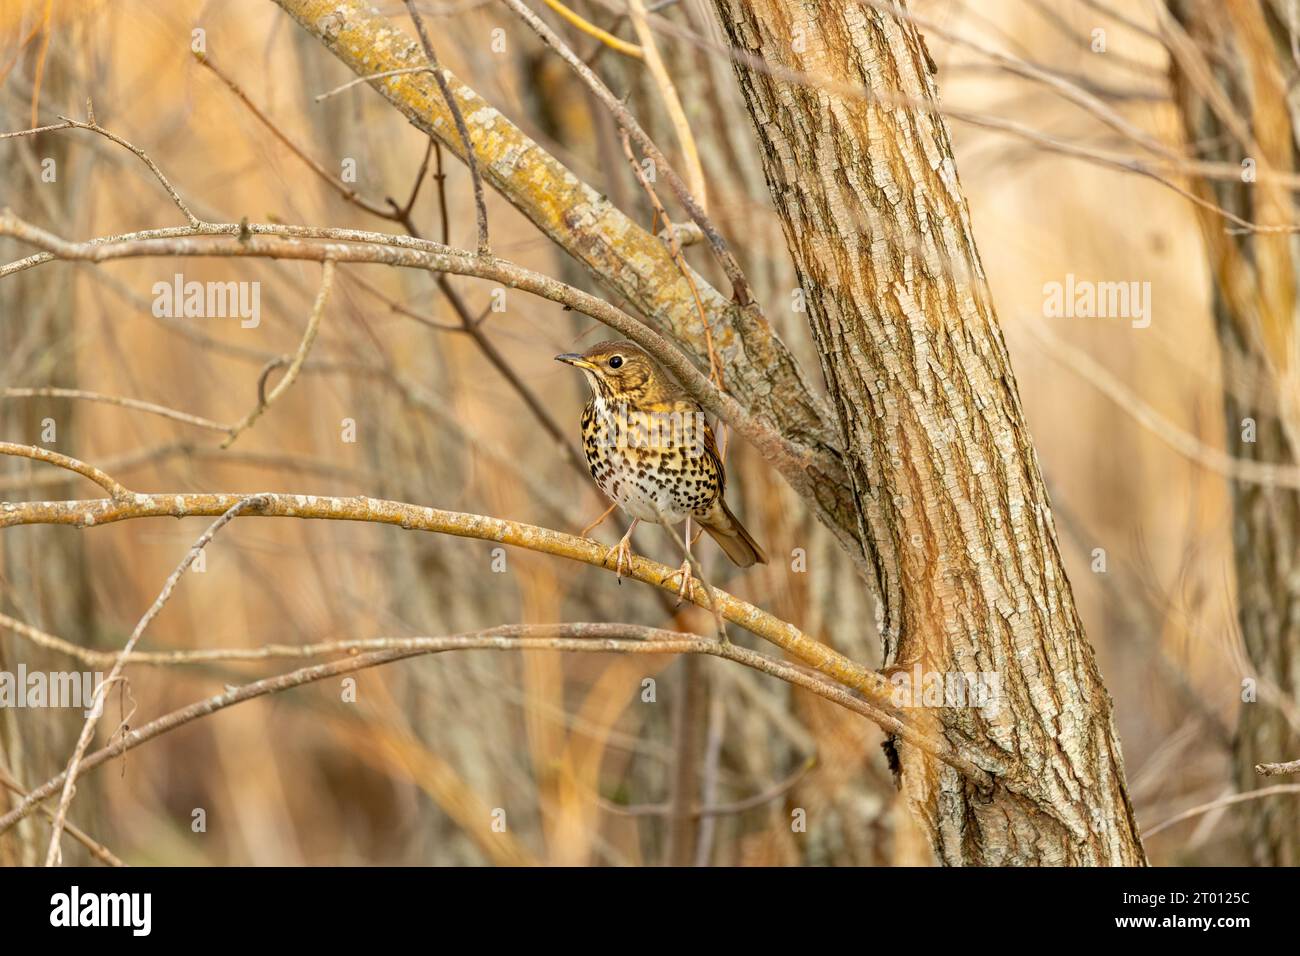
<point x="652" y="452"/>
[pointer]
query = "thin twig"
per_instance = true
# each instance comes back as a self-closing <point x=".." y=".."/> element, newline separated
<point x="404" y="211"/>
<point x="97" y="849"/>
<point x="295" y="366"/>
<point x="132" y="403"/>
<point x="672" y="102"/>
<point x="356" y="81"/>
<point x="36" y="453"/>
<point x="94" y="127"/>
<point x="1228" y="801"/>
<point x="346" y="191"/>
<point x="406" y="310"/>
<point x="739" y="284"/>
<point x="1188" y="445"/>
<point x="480" y="207"/>
<point x="54" y="855"/>
<point x="774" y="792"/>
<point x="589" y="28"/>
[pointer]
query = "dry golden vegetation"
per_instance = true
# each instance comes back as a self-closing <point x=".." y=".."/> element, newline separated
<point x="431" y="382"/>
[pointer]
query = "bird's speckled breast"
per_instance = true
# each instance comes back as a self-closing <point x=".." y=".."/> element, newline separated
<point x="660" y="481"/>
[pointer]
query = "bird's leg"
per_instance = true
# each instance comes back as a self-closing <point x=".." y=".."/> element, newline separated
<point x="685" y="570"/>
<point x="623" y="550"/>
<point x="604" y="514"/>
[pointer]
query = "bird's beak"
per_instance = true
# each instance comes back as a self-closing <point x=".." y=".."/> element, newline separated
<point x="576" y="360"/>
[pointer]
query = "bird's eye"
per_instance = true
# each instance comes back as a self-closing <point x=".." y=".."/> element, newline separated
<point x="616" y="361"/>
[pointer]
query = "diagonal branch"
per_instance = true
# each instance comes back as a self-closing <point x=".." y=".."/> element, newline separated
<point x="97" y="849"/>
<point x="480" y="208"/>
<point x="739" y="284"/>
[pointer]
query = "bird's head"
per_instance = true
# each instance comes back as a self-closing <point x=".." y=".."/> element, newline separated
<point x="622" y="371"/>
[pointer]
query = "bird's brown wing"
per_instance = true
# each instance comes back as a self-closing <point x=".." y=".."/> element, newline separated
<point x="711" y="451"/>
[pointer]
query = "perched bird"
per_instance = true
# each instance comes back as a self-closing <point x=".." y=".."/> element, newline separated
<point x="653" y="454"/>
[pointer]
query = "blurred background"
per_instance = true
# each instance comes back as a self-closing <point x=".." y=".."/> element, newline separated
<point x="584" y="768"/>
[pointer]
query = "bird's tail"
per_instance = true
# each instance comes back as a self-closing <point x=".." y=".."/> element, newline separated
<point x="726" y="529"/>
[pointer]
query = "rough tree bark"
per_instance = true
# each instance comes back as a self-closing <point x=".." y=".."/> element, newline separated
<point x="1245" y="108"/>
<point x="945" y="477"/>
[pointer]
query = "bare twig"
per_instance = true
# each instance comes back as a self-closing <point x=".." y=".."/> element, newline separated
<point x="480" y="207"/>
<point x="589" y="28"/>
<point x="94" y="127"/>
<point x="672" y="102"/>
<point x="295" y="366"/>
<point x="154" y="454"/>
<point x="346" y="191"/>
<point x="97" y="849"/>
<point x="403" y="212"/>
<point x="356" y="81"/>
<point x="36" y="453"/>
<point x="131" y="403"/>
<point x="1228" y="801"/>
<point x="774" y="792"/>
<point x="1127" y="400"/>
<point x="1053" y="80"/>
<point x="53" y="855"/>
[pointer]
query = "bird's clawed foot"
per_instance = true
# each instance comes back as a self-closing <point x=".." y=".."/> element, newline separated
<point x="684" y="572"/>
<point x="623" y="558"/>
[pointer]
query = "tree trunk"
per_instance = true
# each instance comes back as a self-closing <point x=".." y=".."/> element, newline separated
<point x="945" y="478"/>
<point x="1257" y="314"/>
